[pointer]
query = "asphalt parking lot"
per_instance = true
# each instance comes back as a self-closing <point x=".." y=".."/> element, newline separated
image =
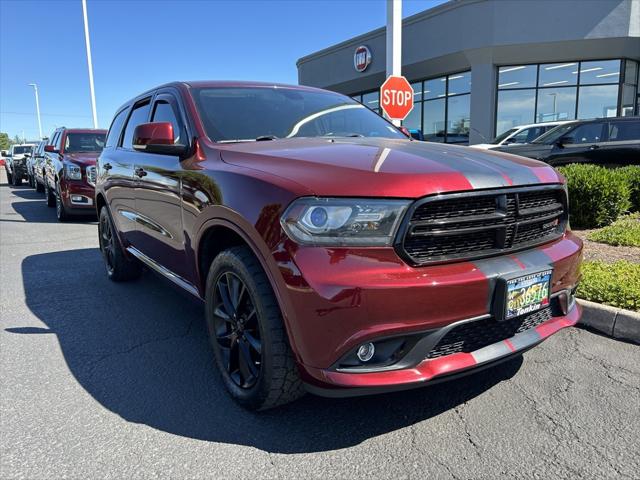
<point x="104" y="380"/>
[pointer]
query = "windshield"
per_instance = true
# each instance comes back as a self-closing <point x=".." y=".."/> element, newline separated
<point x="84" y="142"/>
<point x="233" y="114"/>
<point x="554" y="134"/>
<point x="22" y="150"/>
<point x="504" y="135"/>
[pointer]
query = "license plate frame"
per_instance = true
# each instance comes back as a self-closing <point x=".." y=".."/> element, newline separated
<point x="522" y="293"/>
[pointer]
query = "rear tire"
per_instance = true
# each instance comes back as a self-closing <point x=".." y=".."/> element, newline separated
<point x="17" y="180"/>
<point x="39" y="186"/>
<point x="247" y="333"/>
<point x="9" y="177"/>
<point x="119" y="267"/>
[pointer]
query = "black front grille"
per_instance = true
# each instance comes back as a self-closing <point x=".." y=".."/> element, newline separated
<point x="479" y="224"/>
<point x="472" y="336"/>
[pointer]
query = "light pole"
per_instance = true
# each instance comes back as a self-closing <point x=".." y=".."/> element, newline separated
<point x="89" y="64"/>
<point x="35" y="90"/>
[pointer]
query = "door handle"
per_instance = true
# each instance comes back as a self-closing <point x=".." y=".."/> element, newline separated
<point x="140" y="172"/>
<point x="107" y="166"/>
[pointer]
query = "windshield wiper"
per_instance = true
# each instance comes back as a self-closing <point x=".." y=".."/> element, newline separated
<point x="264" y="138"/>
<point x="346" y="134"/>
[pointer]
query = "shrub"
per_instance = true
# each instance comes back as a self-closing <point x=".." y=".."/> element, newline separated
<point x="616" y="284"/>
<point x="624" y="231"/>
<point x="597" y="195"/>
<point x="631" y="175"/>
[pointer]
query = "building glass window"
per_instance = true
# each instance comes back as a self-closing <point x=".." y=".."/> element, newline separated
<point x="436" y="88"/>
<point x="417" y="91"/>
<point x="563" y="91"/>
<point x="412" y="122"/>
<point x="600" y="72"/>
<point x="458" y="119"/>
<point x="434" y="120"/>
<point x="556" y="74"/>
<point x="372" y="100"/>
<point x="598" y="101"/>
<point x="556" y="104"/>
<point x="459" y="83"/>
<point x="515" y="107"/>
<point x="518" y="76"/>
<point x="630" y="90"/>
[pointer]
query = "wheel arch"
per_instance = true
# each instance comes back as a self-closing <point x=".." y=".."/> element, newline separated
<point x="218" y="234"/>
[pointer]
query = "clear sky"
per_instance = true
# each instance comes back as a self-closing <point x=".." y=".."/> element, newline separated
<point x="138" y="44"/>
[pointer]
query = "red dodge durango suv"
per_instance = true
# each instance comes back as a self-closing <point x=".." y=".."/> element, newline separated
<point x="69" y="170"/>
<point x="334" y="254"/>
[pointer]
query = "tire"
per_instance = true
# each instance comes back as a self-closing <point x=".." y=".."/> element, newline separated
<point x="49" y="195"/>
<point x="17" y="180"/>
<point x="61" y="213"/>
<point x="270" y="375"/>
<point x="119" y="267"/>
<point x="39" y="186"/>
<point x="9" y="177"/>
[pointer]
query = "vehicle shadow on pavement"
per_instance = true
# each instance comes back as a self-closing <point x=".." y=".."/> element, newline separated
<point x="140" y="349"/>
<point x="32" y="210"/>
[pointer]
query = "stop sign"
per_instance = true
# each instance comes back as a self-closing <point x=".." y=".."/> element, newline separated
<point x="396" y="97"/>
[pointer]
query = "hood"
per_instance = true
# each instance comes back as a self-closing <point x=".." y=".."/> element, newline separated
<point x="483" y="146"/>
<point x="385" y="167"/>
<point x="82" y="158"/>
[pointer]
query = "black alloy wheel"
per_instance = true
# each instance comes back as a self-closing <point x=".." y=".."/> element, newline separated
<point x="107" y="243"/>
<point x="237" y="330"/>
<point x="61" y="214"/>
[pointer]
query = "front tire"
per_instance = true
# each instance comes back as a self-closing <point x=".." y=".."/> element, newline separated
<point x="17" y="180"/>
<point x="49" y="195"/>
<point x="247" y="333"/>
<point x="39" y="186"/>
<point x="61" y="213"/>
<point x="119" y="267"/>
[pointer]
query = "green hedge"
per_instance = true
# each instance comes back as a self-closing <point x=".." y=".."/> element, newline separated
<point x="624" y="231"/>
<point x="631" y="175"/>
<point x="597" y="195"/>
<point x="616" y="284"/>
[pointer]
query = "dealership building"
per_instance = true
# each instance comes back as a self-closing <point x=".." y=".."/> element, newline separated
<point x="480" y="67"/>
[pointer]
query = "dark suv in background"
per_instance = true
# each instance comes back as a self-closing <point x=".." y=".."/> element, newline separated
<point x="35" y="166"/>
<point x="70" y="170"/>
<point x="333" y="253"/>
<point x="604" y="141"/>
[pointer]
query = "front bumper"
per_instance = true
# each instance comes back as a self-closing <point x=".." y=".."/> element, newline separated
<point x="78" y="197"/>
<point x="339" y="299"/>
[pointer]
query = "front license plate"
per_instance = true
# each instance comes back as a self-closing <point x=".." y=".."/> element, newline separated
<point x="527" y="294"/>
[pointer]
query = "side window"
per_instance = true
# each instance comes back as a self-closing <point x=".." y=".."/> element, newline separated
<point x="522" y="136"/>
<point x="587" y="133"/>
<point x="164" y="112"/>
<point x="54" y="138"/>
<point x="139" y="114"/>
<point x="58" y="141"/>
<point x="624" y="131"/>
<point x="116" y="128"/>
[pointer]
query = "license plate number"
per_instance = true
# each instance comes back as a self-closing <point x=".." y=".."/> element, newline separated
<point x="527" y="294"/>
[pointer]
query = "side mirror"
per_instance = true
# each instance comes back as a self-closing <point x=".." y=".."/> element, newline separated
<point x="50" y="149"/>
<point x="157" y="137"/>
<point x="4" y="153"/>
<point x="27" y="155"/>
<point x="509" y="141"/>
<point x="566" y="140"/>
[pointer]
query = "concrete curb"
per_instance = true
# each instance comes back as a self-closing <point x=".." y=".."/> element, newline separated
<point x="612" y="321"/>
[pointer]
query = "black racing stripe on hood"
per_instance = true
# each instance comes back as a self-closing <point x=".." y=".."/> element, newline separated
<point x="494" y="268"/>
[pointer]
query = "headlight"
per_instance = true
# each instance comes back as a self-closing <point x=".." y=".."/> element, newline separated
<point x="73" y="171"/>
<point x="343" y="221"/>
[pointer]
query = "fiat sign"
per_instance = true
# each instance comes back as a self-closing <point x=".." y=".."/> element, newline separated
<point x="396" y="97"/>
<point x="361" y="58"/>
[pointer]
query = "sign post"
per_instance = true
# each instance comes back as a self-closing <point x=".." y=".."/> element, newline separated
<point x="396" y="98"/>
<point x="394" y="43"/>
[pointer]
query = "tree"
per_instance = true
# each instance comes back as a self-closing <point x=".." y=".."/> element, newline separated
<point x="5" y="141"/>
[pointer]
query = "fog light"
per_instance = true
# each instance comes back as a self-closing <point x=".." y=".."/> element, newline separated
<point x="76" y="198"/>
<point x="366" y="351"/>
